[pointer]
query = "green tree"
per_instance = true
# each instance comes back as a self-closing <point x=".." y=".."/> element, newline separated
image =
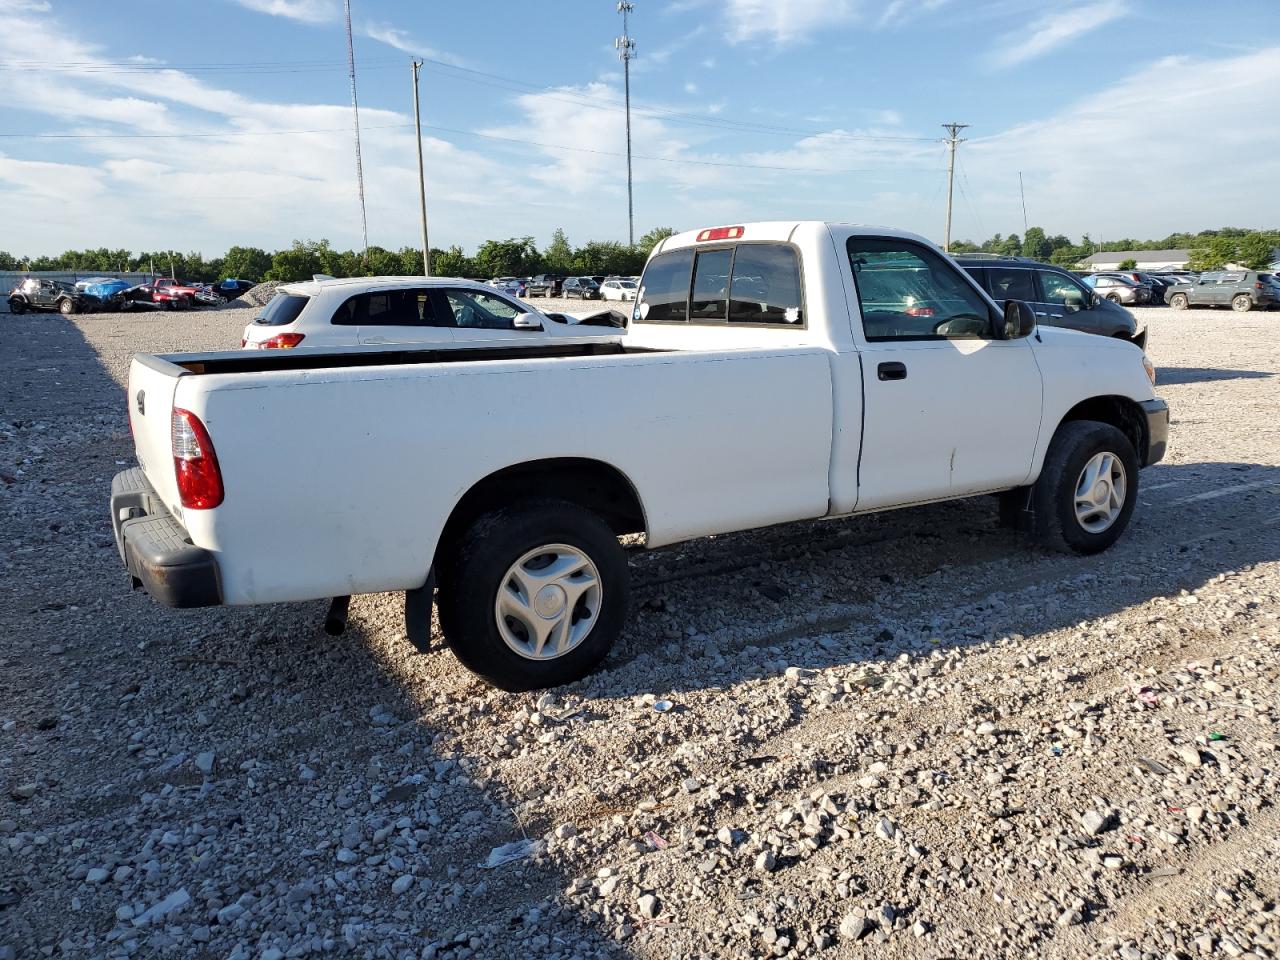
<point x="558" y="256"/>
<point x="8" y="261"/>
<point x="607" y="257"/>
<point x="1035" y="244"/>
<point x="1129" y="264"/>
<point x="964" y="246"/>
<point x="451" y="263"/>
<point x="300" y="261"/>
<point x="381" y="263"/>
<point x="517" y="257"/>
<point x="1255" y="251"/>
<point x="1214" y="254"/>
<point x="246" y="263"/>
<point x="654" y="237"/>
<point x="1011" y="247"/>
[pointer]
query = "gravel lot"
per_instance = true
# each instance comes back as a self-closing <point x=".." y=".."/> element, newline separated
<point x="903" y="735"/>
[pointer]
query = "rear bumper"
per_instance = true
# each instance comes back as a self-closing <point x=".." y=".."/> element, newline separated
<point x="1157" y="413"/>
<point x="156" y="550"/>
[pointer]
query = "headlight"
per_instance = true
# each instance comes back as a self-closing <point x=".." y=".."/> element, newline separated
<point x="1150" y="368"/>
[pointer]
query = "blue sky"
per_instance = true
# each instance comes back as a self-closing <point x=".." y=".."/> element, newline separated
<point x="196" y="124"/>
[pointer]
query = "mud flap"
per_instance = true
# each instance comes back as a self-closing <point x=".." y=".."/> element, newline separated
<point x="417" y="614"/>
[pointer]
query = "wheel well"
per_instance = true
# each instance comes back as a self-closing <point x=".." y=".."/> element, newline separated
<point x="1121" y="412"/>
<point x="592" y="484"/>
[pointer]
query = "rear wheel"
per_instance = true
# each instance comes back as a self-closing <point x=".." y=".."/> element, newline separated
<point x="536" y="595"/>
<point x="1113" y="297"/>
<point x="1178" y="301"/>
<point x="1241" y="303"/>
<point x="1084" y="497"/>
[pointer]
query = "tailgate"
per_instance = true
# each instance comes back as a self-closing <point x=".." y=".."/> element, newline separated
<point x="152" y="385"/>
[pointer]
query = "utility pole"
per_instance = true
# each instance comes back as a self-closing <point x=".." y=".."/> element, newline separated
<point x="422" y="180"/>
<point x="355" y="110"/>
<point x="951" y="141"/>
<point x="626" y="48"/>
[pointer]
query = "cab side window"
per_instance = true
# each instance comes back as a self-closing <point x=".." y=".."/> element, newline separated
<point x="472" y="309"/>
<point x="390" y="308"/>
<point x="1010" y="283"/>
<point x="1059" y="289"/>
<point x="909" y="292"/>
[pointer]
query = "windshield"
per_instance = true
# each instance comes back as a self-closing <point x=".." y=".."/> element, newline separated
<point x="626" y="284"/>
<point x="281" y="309"/>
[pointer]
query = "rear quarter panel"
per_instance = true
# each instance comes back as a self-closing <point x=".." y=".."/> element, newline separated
<point x="340" y="481"/>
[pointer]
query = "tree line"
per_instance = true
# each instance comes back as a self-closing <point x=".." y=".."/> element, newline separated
<point x="520" y="256"/>
<point x="1209" y="249"/>
<point x="515" y="257"/>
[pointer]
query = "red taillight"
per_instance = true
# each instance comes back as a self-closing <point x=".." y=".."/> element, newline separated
<point x="720" y="233"/>
<point x="199" y="479"/>
<point x="919" y="311"/>
<point x="281" y="341"/>
<point x="243" y="343"/>
<point x="1257" y="285"/>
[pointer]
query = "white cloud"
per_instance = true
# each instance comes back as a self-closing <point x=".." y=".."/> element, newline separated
<point x="307" y="11"/>
<point x="1090" y="167"/>
<point x="690" y="87"/>
<point x="235" y="174"/>
<point x="784" y="21"/>
<point x="1054" y="28"/>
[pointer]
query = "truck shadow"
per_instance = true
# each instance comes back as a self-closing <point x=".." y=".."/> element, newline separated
<point x="1175" y="375"/>
<point x="879" y="586"/>
<point x="330" y="777"/>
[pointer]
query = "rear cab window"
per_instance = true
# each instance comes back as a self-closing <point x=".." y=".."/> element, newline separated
<point x="746" y="284"/>
<point x="282" y="309"/>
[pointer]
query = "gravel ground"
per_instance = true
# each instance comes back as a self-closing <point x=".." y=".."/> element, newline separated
<point x="904" y="735"/>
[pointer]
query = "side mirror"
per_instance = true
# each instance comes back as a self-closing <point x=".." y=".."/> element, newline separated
<point x="1019" y="320"/>
<point x="527" y="321"/>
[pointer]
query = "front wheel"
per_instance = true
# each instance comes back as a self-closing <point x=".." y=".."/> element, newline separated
<point x="66" y="308"/>
<point x="1178" y="301"/>
<point x="1084" y="497"/>
<point x="17" y="307"/>
<point x="1113" y="297"/>
<point x="535" y="596"/>
<point x="1241" y="303"/>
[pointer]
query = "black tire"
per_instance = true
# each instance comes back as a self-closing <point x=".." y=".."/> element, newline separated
<point x="17" y="307"/>
<point x="1179" y="301"/>
<point x="1053" y="495"/>
<point x="66" y="308"/>
<point x="1241" y="303"/>
<point x="1113" y="297"/>
<point x="470" y="581"/>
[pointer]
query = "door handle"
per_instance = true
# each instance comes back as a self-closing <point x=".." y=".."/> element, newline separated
<point x="374" y="340"/>
<point x="892" y="371"/>
<point x="1042" y="313"/>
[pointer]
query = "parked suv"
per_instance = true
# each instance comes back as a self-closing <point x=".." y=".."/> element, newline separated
<point x="1118" y="288"/>
<point x="544" y="285"/>
<point x="584" y="288"/>
<point x="1156" y="282"/>
<point x="1060" y="299"/>
<point x="1241" y="290"/>
<point x="36" y="294"/>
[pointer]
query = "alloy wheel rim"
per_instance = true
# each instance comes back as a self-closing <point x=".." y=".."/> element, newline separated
<point x="548" y="602"/>
<point x="1101" y="490"/>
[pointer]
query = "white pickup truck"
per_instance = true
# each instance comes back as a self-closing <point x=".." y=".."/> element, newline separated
<point x="771" y="372"/>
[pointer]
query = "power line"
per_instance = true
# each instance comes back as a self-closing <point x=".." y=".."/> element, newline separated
<point x="441" y="129"/>
<point x="485" y="78"/>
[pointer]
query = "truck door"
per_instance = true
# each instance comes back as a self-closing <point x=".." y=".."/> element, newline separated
<point x="949" y="409"/>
